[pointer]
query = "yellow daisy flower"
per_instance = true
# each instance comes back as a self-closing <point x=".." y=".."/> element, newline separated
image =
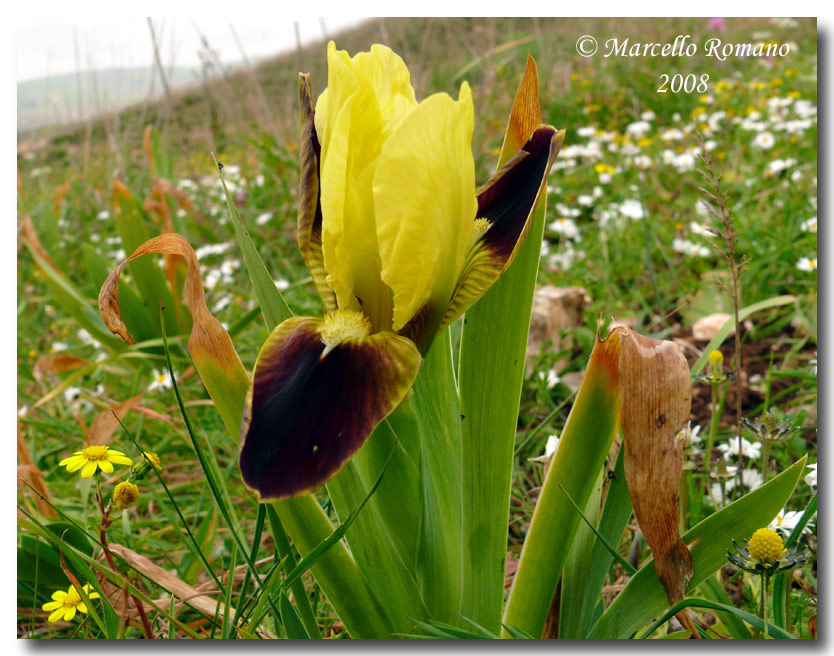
<point x="95" y="457"/>
<point x="66" y="604"/>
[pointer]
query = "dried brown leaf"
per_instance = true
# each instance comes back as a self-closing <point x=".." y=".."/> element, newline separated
<point x="28" y="234"/>
<point x="525" y="115"/>
<point x="101" y="430"/>
<point x="48" y="365"/>
<point x="38" y="492"/>
<point x="179" y="588"/>
<point x="210" y="346"/>
<point x="655" y="395"/>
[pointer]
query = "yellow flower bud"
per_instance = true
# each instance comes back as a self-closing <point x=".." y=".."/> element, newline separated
<point x="716" y="358"/>
<point x="125" y="495"/>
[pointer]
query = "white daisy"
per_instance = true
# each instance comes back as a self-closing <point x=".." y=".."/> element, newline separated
<point x="632" y="209"/>
<point x="785" y="522"/>
<point x="810" y="225"/>
<point x="748" y="449"/>
<point x="160" y="381"/>
<point x="811" y="477"/>
<point x="763" y="140"/>
<point x="566" y="227"/>
<point x="807" y="264"/>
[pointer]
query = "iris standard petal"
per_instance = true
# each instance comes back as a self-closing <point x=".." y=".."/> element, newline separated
<point x="350" y="149"/>
<point x="391" y="81"/>
<point x="424" y="200"/>
<point x="309" y="410"/>
<point x="308" y="231"/>
<point x="506" y="203"/>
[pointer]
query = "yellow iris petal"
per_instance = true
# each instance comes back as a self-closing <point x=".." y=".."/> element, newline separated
<point x="391" y="82"/>
<point x="424" y="198"/>
<point x="350" y="147"/>
<point x="366" y="98"/>
<point x="89" y="469"/>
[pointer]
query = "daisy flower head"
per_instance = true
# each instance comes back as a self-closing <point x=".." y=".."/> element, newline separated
<point x="763" y="140"/>
<point x="785" y="522"/>
<point x="807" y="264"/>
<point x="811" y="477"/>
<point x="566" y="227"/>
<point x="810" y="225"/>
<point x="64" y="605"/>
<point x="95" y="457"/>
<point x="160" y="381"/>
<point x="748" y="449"/>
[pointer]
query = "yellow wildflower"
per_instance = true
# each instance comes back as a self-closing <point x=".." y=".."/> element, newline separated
<point x="766" y="546"/>
<point x="95" y="457"/>
<point x="65" y="604"/>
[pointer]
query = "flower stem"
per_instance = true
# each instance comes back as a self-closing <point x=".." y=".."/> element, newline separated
<point x="102" y="532"/>
<point x="713" y="423"/>
<point x="765" y="459"/>
<point x="763" y="605"/>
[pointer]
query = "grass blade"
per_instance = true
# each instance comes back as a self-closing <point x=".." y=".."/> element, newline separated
<point x="722" y="333"/>
<point x="773" y="630"/>
<point x="273" y="305"/>
<point x="586" y="439"/>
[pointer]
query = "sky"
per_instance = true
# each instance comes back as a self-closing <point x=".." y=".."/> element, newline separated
<point x="53" y="47"/>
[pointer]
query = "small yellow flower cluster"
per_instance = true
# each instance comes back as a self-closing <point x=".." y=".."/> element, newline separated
<point x="766" y="546"/>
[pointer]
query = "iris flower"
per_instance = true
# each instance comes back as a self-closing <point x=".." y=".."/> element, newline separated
<point x="399" y="244"/>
